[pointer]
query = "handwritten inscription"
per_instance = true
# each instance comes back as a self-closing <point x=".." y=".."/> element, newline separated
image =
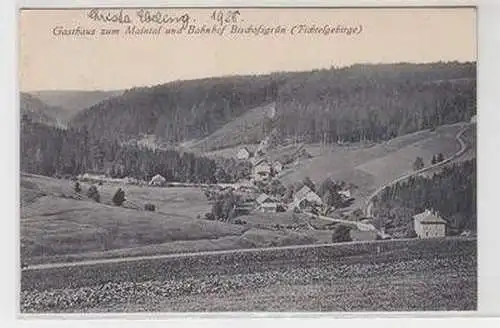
<point x="221" y="22"/>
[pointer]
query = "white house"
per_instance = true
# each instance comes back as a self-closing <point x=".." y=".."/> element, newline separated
<point x="262" y="171"/>
<point x="263" y="145"/>
<point x="277" y="167"/>
<point x="429" y="225"/>
<point x="266" y="203"/>
<point x="158" y="180"/>
<point x="304" y="198"/>
<point x="345" y="193"/>
<point x="473" y="119"/>
<point x="243" y="154"/>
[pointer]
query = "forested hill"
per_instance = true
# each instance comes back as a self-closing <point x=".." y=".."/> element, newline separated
<point x="36" y="110"/>
<point x="178" y="111"/>
<point x="51" y="151"/>
<point x="374" y="102"/>
<point x="73" y="101"/>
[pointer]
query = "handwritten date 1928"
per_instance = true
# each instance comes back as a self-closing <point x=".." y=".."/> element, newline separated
<point x="225" y="16"/>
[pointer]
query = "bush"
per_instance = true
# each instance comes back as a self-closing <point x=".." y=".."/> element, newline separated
<point x="341" y="233"/>
<point x="93" y="193"/>
<point x="149" y="207"/>
<point x="119" y="197"/>
<point x="78" y="189"/>
<point x="209" y="216"/>
<point x="418" y="164"/>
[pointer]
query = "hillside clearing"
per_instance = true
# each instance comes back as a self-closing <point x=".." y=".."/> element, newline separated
<point x="370" y="166"/>
<point x="245" y="129"/>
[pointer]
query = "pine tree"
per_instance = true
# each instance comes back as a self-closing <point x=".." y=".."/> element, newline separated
<point x="119" y="197"/>
<point x="78" y="189"/>
<point x="418" y="164"/>
<point x="93" y="193"/>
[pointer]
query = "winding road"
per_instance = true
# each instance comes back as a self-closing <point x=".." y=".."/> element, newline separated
<point x="360" y="226"/>
<point x="461" y="151"/>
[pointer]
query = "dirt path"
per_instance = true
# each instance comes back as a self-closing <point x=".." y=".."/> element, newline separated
<point x="463" y="148"/>
<point x="201" y="254"/>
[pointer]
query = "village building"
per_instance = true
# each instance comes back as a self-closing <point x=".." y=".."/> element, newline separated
<point x="429" y="225"/>
<point x="267" y="204"/>
<point x="158" y="180"/>
<point x="305" y="198"/>
<point x="243" y="154"/>
<point x="262" y="171"/>
<point x="473" y="119"/>
<point x="263" y="145"/>
<point x="277" y="167"/>
<point x="346" y="194"/>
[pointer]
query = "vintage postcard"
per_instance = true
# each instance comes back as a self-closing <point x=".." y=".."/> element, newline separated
<point x="247" y="160"/>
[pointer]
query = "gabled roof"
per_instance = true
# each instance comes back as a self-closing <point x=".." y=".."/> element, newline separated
<point x="428" y="217"/>
<point x="245" y="149"/>
<point x="262" y="167"/>
<point x="265" y="198"/>
<point x="313" y="197"/>
<point x="158" y="177"/>
<point x="256" y="160"/>
<point x="302" y="193"/>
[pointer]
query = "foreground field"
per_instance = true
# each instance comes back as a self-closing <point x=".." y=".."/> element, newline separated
<point x="402" y="275"/>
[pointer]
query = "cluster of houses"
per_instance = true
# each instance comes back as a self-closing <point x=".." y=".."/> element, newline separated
<point x="262" y="169"/>
<point x="304" y="199"/>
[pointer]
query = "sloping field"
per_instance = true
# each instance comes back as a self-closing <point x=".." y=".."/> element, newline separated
<point x="397" y="275"/>
<point x="58" y="228"/>
<point x="55" y="226"/>
<point x="246" y="129"/>
<point x="371" y="166"/>
<point x="400" y="158"/>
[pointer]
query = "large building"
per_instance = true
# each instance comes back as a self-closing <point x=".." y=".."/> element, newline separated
<point x="243" y="154"/>
<point x="429" y="225"/>
<point x="305" y="198"/>
<point x="262" y="171"/>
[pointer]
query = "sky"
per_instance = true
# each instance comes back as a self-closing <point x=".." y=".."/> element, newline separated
<point x="54" y="62"/>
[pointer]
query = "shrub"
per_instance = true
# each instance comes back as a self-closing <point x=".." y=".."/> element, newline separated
<point x="418" y="164"/>
<point x="93" y="193"/>
<point x="119" y="197"/>
<point x="149" y="207"/>
<point x="78" y="189"/>
<point x="209" y="216"/>
<point x="341" y="233"/>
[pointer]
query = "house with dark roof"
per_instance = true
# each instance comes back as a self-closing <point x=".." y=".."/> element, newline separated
<point x="428" y="224"/>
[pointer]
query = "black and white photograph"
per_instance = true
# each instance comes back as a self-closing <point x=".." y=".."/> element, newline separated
<point x="194" y="160"/>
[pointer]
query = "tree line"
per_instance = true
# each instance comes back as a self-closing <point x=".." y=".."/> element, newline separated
<point x="53" y="151"/>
